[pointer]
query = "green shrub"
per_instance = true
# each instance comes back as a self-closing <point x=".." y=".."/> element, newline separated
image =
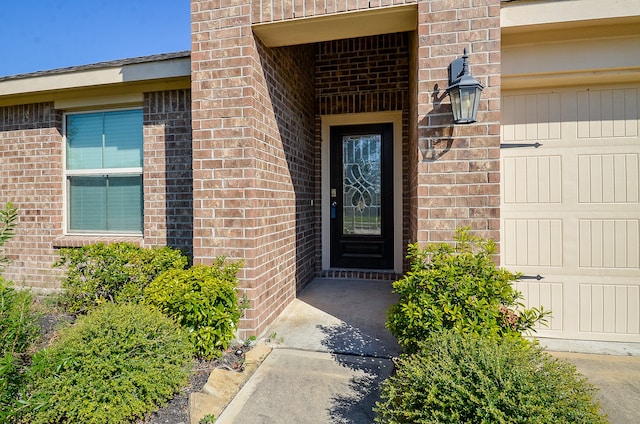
<point x="113" y="365"/>
<point x="18" y="322"/>
<point x="18" y="330"/>
<point x="204" y="300"/>
<point x="457" y="287"/>
<point x="8" y="222"/>
<point x="11" y="381"/>
<point x="116" y="272"/>
<point x="467" y="378"/>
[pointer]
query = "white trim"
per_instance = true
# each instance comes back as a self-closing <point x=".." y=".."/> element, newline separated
<point x="134" y="100"/>
<point x="327" y="121"/>
<point x="521" y="13"/>
<point x="104" y="171"/>
<point x="113" y="234"/>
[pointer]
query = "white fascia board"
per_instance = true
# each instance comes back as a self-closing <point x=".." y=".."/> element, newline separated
<point x="138" y="72"/>
<point x="526" y="13"/>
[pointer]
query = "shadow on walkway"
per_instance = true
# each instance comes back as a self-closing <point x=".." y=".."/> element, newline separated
<point x="331" y="354"/>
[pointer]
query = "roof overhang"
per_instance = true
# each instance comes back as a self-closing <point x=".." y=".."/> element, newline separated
<point x="107" y="80"/>
<point x="384" y="20"/>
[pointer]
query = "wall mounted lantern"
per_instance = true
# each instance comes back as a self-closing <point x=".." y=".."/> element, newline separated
<point x="464" y="91"/>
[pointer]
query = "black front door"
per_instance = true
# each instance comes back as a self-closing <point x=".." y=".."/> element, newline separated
<point x="362" y="196"/>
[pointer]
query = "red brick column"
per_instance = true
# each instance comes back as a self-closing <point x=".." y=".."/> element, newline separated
<point x="458" y="167"/>
<point x="223" y="144"/>
<point x="252" y="111"/>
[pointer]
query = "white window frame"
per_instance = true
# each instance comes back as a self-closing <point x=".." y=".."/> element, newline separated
<point x="135" y="171"/>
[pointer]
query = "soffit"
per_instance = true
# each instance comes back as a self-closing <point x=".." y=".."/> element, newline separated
<point x="338" y="26"/>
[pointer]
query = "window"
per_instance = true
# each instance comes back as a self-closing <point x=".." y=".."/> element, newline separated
<point x="104" y="172"/>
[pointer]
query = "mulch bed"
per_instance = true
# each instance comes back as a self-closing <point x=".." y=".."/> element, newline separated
<point x="176" y="410"/>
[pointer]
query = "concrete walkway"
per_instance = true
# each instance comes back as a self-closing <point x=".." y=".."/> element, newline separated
<point x="332" y="352"/>
<point x="617" y="377"/>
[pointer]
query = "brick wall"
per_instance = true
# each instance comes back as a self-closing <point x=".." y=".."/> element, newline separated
<point x="31" y="178"/>
<point x="222" y="120"/>
<point x="168" y="179"/>
<point x="285" y="167"/>
<point x="279" y="10"/>
<point x="252" y="157"/>
<point x="458" y="168"/>
<point x="366" y="74"/>
<point x="253" y="151"/>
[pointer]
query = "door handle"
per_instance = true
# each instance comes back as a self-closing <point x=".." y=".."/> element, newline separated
<point x="334" y="209"/>
<point x="531" y="277"/>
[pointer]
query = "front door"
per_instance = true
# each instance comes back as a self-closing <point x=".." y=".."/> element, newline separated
<point x="362" y="196"/>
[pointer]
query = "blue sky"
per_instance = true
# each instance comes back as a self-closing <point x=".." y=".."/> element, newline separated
<point x="37" y="35"/>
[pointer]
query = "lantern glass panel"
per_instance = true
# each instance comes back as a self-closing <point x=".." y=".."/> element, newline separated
<point x="454" y="94"/>
<point x="467" y="100"/>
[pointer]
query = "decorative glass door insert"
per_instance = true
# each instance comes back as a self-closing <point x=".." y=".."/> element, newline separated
<point x="361" y="203"/>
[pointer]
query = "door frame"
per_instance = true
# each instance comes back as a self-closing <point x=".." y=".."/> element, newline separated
<point x="328" y="121"/>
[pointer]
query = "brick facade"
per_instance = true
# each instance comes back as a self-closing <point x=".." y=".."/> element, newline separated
<point x="253" y="109"/>
<point x="233" y="166"/>
<point x="168" y="178"/>
<point x="365" y="74"/>
<point x="253" y="157"/>
<point x="31" y="177"/>
<point x="458" y="167"/>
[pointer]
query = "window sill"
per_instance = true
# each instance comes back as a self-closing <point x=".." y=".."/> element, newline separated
<point x="85" y="240"/>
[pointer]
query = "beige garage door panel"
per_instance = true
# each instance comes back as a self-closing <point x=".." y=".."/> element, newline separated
<point x="533" y="243"/>
<point x="548" y="294"/>
<point x="609" y="244"/>
<point x="609" y="309"/>
<point x="570" y="207"/>
<point x="588" y="308"/>
<point x="608" y="178"/>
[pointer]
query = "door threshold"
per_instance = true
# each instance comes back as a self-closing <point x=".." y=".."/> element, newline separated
<point x="360" y="274"/>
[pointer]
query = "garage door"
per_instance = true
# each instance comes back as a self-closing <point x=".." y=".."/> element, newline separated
<point x="570" y="207"/>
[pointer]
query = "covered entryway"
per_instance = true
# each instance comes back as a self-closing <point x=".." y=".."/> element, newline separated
<point x="361" y="83"/>
<point x="570" y="207"/>
<point x="271" y="79"/>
